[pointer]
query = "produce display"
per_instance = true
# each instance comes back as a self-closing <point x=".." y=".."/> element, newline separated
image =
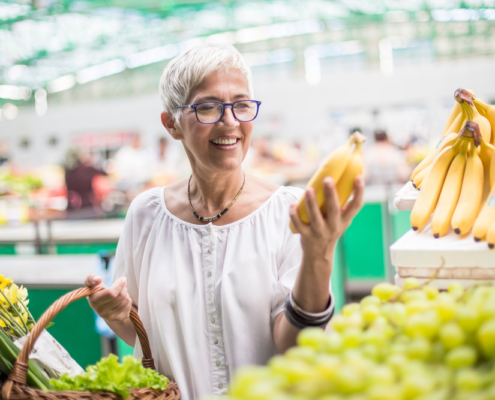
<point x="343" y="165"/>
<point x="109" y="375"/>
<point x="456" y="178"/>
<point x="414" y="343"/>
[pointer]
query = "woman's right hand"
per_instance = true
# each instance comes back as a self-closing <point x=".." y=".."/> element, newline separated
<point x="113" y="303"/>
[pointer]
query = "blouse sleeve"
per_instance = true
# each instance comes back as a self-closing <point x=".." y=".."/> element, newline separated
<point x="287" y="273"/>
<point x="124" y="259"/>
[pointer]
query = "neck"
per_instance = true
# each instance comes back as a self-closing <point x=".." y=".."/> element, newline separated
<point x="214" y="192"/>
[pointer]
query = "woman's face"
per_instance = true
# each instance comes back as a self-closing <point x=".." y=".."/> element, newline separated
<point x="199" y="139"/>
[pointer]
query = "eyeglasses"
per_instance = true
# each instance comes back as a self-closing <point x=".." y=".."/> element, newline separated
<point x="209" y="112"/>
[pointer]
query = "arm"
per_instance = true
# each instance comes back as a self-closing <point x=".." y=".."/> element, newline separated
<point x="318" y="240"/>
<point x="114" y="305"/>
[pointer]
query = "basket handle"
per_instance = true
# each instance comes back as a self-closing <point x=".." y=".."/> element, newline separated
<point x="20" y="368"/>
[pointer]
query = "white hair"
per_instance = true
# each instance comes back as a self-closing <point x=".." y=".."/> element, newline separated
<point x="187" y="70"/>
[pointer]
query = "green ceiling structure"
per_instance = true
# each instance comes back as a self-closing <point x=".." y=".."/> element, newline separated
<point x="60" y="46"/>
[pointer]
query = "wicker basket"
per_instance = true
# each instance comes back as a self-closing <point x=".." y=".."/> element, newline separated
<point x="15" y="387"/>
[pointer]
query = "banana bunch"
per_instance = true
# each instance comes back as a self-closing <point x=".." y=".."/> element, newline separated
<point x="466" y="108"/>
<point x="456" y="185"/>
<point x="343" y="165"/>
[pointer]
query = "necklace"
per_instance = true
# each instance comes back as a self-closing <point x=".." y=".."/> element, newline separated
<point x="214" y="218"/>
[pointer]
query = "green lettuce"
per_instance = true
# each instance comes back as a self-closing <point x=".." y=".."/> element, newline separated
<point x="109" y="375"/>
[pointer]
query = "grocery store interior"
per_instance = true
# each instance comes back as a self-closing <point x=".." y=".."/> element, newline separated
<point x="81" y="136"/>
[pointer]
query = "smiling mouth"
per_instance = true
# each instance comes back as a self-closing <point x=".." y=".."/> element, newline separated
<point x="224" y="142"/>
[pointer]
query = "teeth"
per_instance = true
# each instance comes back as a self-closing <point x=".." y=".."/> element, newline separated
<point x="224" y="141"/>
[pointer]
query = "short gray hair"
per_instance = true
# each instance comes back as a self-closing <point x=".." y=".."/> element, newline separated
<point x="188" y="69"/>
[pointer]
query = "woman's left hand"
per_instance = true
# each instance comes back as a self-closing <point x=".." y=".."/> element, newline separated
<point x="319" y="237"/>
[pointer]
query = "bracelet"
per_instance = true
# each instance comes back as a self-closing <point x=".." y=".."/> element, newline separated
<point x="302" y="319"/>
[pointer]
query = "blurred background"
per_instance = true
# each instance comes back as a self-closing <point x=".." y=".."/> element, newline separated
<point x="80" y="131"/>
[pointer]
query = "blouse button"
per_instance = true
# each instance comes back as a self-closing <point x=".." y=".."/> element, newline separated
<point x="215" y="341"/>
<point x="208" y="274"/>
<point x="212" y="320"/>
<point x="208" y="251"/>
<point x="220" y="386"/>
<point x="209" y="296"/>
<point x="218" y="363"/>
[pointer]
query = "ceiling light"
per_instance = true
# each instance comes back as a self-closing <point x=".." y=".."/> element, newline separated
<point x="63" y="83"/>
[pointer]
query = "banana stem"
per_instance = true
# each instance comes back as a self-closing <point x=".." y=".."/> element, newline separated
<point x="472" y="131"/>
<point x="467" y="110"/>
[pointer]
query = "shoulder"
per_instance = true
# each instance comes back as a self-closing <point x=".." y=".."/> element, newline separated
<point x="147" y="203"/>
<point x="291" y="193"/>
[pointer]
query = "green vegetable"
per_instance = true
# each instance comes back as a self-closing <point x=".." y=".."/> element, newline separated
<point x="109" y="375"/>
<point x="8" y="354"/>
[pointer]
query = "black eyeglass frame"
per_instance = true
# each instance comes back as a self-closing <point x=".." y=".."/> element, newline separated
<point x="194" y="106"/>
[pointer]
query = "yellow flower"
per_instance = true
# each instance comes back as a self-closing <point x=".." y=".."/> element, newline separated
<point x="2" y="324"/>
<point x="22" y="293"/>
<point x="4" y="282"/>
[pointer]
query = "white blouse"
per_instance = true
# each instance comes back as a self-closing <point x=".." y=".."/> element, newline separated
<point x="208" y="295"/>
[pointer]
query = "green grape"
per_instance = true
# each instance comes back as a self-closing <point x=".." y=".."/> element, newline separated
<point x="411" y="283"/>
<point x="385" y="291"/>
<point x="349" y="380"/>
<point x="352" y="337"/>
<point x="419" y="349"/>
<point x="370" y="312"/>
<point x="326" y="366"/>
<point x="333" y="343"/>
<point x="438" y="351"/>
<point x="332" y="397"/>
<point x="350" y="309"/>
<point x="355" y="321"/>
<point x="468" y="380"/>
<point x="311" y="337"/>
<point x="306" y="354"/>
<point x="452" y="335"/>
<point x="445" y="307"/>
<point x="438" y="394"/>
<point x="468" y="318"/>
<point x="381" y="375"/>
<point x="292" y="370"/>
<point x="417" y="306"/>
<point x="339" y="322"/>
<point x="411" y="295"/>
<point x="398" y="314"/>
<point x="486" y="337"/>
<point x="370" y="351"/>
<point x="397" y="361"/>
<point x="462" y="356"/>
<point x="424" y="324"/>
<point x="385" y="392"/>
<point x="417" y="384"/>
<point x="487" y="310"/>
<point x="456" y="290"/>
<point x="431" y="292"/>
<point x="370" y="300"/>
<point x="357" y="396"/>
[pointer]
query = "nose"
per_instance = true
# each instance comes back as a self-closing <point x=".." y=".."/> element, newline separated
<point x="228" y="117"/>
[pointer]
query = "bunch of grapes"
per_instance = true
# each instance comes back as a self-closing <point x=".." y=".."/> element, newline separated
<point x="414" y="343"/>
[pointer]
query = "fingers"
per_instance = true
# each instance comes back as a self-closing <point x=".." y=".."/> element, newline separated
<point x="107" y="300"/>
<point x="353" y="207"/>
<point x="300" y="226"/>
<point x="316" y="220"/>
<point x="331" y="199"/>
<point x="92" y="280"/>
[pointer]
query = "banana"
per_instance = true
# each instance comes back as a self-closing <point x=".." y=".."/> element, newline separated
<point x="345" y="185"/>
<point x="492" y="172"/>
<point x="449" y="195"/>
<point x="469" y="204"/>
<point x="486" y="218"/>
<point x="428" y="160"/>
<point x="486" y="151"/>
<point x="334" y="167"/>
<point x="456" y="110"/>
<point x="419" y="178"/>
<point x="470" y="113"/>
<point x="432" y="185"/>
<point x="490" y="236"/>
<point x="489" y="113"/>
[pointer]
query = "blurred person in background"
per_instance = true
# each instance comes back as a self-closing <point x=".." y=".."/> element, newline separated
<point x="210" y="261"/>
<point x="164" y="167"/>
<point x="133" y="165"/>
<point x="385" y="164"/>
<point x="80" y="178"/>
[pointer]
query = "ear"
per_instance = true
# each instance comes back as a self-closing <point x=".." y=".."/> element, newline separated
<point x="171" y="126"/>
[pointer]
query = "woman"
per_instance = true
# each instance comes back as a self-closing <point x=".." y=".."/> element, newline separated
<point x="210" y="261"/>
